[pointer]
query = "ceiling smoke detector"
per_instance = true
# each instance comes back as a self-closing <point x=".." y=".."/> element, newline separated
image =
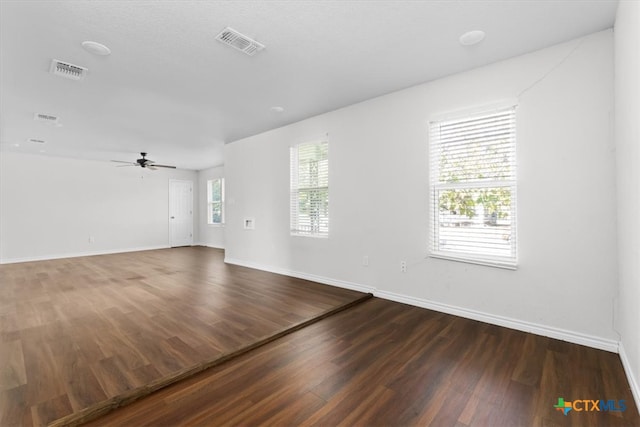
<point x="69" y="71"/>
<point x="96" y="48"/>
<point x="471" y="38"/>
<point x="239" y="41"/>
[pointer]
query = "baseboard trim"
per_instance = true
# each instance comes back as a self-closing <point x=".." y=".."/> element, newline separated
<point x="206" y="245"/>
<point x="507" y="322"/>
<point x="633" y="383"/>
<point x="80" y="254"/>
<point x="300" y="275"/>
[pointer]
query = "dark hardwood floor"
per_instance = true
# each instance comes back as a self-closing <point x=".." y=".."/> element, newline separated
<point x="382" y="363"/>
<point x="81" y="336"/>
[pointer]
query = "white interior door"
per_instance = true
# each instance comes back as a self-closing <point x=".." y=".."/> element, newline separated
<point x="180" y="213"/>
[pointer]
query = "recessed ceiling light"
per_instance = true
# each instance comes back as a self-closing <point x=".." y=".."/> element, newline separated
<point x="277" y="109"/>
<point x="96" y="48"/>
<point x="472" y="37"/>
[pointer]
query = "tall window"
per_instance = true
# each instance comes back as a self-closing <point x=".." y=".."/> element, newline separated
<point x="473" y="188"/>
<point x="215" y="201"/>
<point x="310" y="189"/>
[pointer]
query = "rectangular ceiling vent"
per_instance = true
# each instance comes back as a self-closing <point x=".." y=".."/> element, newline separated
<point x="238" y="41"/>
<point x="45" y="118"/>
<point x="69" y="71"/>
<point x="35" y="141"/>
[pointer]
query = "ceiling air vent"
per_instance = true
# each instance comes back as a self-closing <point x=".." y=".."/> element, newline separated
<point x="35" y="141"/>
<point x="231" y="37"/>
<point x="45" y="118"/>
<point x="69" y="71"/>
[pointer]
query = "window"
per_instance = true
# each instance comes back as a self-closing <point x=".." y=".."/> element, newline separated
<point x="215" y="201"/>
<point x="473" y="188"/>
<point x="310" y="189"/>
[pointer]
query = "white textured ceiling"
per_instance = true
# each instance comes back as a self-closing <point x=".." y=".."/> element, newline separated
<point x="169" y="88"/>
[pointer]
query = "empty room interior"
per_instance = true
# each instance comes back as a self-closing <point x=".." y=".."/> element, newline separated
<point x="320" y="212"/>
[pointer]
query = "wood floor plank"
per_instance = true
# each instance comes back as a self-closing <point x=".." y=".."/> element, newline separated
<point x="50" y="410"/>
<point x="112" y="377"/>
<point x="296" y="412"/>
<point x="529" y="367"/>
<point x="12" y="369"/>
<point x="14" y="407"/>
<point x="43" y="373"/>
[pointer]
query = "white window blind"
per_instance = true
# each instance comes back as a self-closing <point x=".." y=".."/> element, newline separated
<point x="310" y="189"/>
<point x="215" y="201"/>
<point x="473" y="188"/>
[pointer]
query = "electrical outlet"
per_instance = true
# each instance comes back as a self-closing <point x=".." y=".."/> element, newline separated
<point x="249" y="224"/>
<point x="403" y="266"/>
<point x="365" y="260"/>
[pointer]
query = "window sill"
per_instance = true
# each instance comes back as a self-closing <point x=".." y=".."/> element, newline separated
<point x="477" y="261"/>
<point x="216" y="225"/>
<point x="313" y="236"/>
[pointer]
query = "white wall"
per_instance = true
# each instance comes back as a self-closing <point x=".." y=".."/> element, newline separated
<point x="627" y="137"/>
<point x="566" y="280"/>
<point x="210" y="235"/>
<point x="49" y="207"/>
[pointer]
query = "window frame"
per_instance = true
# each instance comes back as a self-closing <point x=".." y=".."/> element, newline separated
<point x="211" y="203"/>
<point x="436" y="186"/>
<point x="295" y="226"/>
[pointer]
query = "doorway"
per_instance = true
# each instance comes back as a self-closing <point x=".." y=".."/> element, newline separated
<point x="180" y="213"/>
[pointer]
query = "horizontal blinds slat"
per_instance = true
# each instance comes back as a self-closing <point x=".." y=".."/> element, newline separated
<point x="480" y="136"/>
<point x="476" y="131"/>
<point x="480" y="121"/>
<point x="474" y="185"/>
<point x="312" y="188"/>
<point x="502" y="122"/>
<point x="487" y="137"/>
<point x="498" y="121"/>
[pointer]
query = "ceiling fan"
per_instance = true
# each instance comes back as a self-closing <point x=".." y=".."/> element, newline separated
<point x="143" y="162"/>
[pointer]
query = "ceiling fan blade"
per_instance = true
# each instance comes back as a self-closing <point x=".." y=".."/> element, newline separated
<point x="124" y="166"/>
<point x="144" y="163"/>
